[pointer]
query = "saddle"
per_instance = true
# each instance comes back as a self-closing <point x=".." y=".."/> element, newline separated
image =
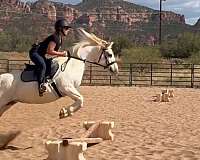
<point x="29" y="74"/>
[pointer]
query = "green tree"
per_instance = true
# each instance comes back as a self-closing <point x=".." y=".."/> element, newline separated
<point x="5" y="41"/>
<point x="121" y="43"/>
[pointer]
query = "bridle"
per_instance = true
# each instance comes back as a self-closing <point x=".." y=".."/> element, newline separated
<point x="106" y="57"/>
<point x="103" y="51"/>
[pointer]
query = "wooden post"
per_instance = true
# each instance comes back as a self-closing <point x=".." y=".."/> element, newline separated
<point x="192" y="75"/>
<point x="8" y="66"/>
<point x="130" y="75"/>
<point x="151" y="74"/>
<point x="90" y="74"/>
<point x="110" y="80"/>
<point x="171" y="77"/>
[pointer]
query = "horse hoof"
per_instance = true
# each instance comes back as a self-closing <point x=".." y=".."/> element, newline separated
<point x="5" y="139"/>
<point x="65" y="113"/>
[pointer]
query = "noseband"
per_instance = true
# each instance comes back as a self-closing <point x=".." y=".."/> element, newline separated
<point x="69" y="56"/>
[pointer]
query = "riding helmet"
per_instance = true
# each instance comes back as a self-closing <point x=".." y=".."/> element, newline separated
<point x="60" y="24"/>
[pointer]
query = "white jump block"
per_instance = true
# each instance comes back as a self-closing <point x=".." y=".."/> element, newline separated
<point x="164" y="96"/>
<point x="163" y="91"/>
<point x="99" y="129"/>
<point x="171" y="93"/>
<point x="73" y="149"/>
<point x="157" y="98"/>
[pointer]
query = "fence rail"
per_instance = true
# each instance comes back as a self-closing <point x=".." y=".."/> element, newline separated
<point x="137" y="74"/>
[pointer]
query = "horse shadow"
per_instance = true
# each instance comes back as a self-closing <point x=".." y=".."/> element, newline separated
<point x="5" y="139"/>
<point x="14" y="148"/>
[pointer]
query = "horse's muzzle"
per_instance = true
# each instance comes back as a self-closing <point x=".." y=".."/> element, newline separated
<point x="113" y="70"/>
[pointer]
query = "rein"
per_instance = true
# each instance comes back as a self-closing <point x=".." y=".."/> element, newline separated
<point x="63" y="66"/>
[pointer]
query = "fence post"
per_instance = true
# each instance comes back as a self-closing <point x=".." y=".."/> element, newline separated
<point x="8" y="67"/>
<point x="171" y="76"/>
<point x="192" y="75"/>
<point x="110" y="80"/>
<point x="130" y="75"/>
<point x="151" y="74"/>
<point x="90" y="74"/>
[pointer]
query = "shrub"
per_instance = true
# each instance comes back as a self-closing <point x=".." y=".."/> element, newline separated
<point x="183" y="47"/>
<point x="141" y="55"/>
<point x="121" y="43"/>
<point x="5" y="41"/>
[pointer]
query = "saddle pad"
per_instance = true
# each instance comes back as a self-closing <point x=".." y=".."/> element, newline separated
<point x="28" y="76"/>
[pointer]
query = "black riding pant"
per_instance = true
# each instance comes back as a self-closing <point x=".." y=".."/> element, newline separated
<point x="40" y="62"/>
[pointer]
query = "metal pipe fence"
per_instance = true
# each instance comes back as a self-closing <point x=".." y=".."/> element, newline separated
<point x="133" y="74"/>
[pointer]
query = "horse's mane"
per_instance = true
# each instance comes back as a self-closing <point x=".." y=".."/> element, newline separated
<point x="90" y="37"/>
<point x="87" y="39"/>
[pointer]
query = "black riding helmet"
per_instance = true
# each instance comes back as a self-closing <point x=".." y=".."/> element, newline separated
<point x="61" y="24"/>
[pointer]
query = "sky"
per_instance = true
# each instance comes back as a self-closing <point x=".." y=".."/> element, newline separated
<point x="189" y="8"/>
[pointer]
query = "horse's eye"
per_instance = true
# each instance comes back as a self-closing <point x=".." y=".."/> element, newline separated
<point x="110" y="55"/>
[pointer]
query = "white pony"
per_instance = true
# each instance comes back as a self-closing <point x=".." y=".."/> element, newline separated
<point x="90" y="49"/>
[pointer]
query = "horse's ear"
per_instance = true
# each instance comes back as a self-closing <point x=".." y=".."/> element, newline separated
<point x="82" y="34"/>
<point x="110" y="44"/>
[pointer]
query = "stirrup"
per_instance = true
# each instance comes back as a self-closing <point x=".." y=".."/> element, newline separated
<point x="42" y="89"/>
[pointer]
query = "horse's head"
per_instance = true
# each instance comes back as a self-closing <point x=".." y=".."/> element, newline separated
<point x="106" y="58"/>
<point x="101" y="51"/>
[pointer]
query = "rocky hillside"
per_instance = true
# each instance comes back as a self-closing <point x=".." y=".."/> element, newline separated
<point x="105" y="17"/>
<point x="97" y="10"/>
<point x="126" y="12"/>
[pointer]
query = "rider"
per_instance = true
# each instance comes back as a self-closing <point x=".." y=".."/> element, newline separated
<point x="50" y="46"/>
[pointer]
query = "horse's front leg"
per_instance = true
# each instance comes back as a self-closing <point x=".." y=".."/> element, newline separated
<point x="77" y="97"/>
